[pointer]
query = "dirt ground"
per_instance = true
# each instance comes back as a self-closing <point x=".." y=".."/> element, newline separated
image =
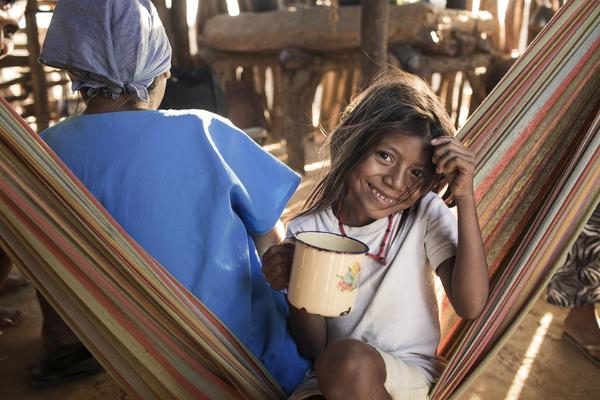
<point x="535" y="364"/>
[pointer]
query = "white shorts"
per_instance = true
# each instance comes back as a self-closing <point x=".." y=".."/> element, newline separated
<point x="403" y="381"/>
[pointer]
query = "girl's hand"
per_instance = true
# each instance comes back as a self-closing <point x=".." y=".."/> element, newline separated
<point x="277" y="265"/>
<point x="456" y="163"/>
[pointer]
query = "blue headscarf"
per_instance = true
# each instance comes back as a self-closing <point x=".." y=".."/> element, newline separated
<point x="112" y="46"/>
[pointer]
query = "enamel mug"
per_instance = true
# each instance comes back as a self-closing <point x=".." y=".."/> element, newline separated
<point x="325" y="273"/>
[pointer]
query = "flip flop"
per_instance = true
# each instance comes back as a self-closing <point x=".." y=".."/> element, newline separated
<point x="67" y="363"/>
<point x="585" y="349"/>
<point x="10" y="318"/>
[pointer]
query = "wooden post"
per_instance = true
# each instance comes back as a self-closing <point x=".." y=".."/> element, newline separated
<point x="276" y="128"/>
<point x="373" y="38"/>
<point x="181" y="34"/>
<point x="206" y="10"/>
<point x="497" y="37"/>
<point x="299" y="82"/>
<point x="514" y="21"/>
<point x="38" y="76"/>
<point x="163" y="14"/>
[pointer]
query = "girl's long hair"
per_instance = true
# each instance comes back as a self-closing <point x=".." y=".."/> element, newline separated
<point x="395" y="101"/>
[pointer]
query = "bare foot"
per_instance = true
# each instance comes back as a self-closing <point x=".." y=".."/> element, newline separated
<point x="13" y="283"/>
<point x="10" y="318"/>
<point x="582" y="326"/>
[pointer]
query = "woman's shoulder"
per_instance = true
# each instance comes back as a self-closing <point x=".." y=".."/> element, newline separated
<point x="207" y="118"/>
<point x="54" y="129"/>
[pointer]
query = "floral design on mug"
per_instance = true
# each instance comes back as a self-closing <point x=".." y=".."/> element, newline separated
<point x="349" y="281"/>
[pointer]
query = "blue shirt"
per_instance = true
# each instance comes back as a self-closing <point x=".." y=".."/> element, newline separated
<point x="190" y="189"/>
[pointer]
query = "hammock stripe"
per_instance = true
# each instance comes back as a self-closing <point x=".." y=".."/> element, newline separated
<point x="147" y="330"/>
<point x="537" y="139"/>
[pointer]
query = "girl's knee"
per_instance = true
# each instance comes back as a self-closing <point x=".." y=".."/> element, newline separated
<point x="347" y="365"/>
<point x="341" y="354"/>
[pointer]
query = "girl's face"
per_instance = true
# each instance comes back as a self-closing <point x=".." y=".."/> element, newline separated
<point x="389" y="180"/>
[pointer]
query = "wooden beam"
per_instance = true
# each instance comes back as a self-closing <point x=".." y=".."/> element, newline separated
<point x="14" y="61"/>
<point x="20" y="80"/>
<point x="222" y="61"/>
<point x="413" y="60"/>
<point x="312" y="29"/>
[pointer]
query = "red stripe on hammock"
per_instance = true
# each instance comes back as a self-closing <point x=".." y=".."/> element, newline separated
<point x="72" y="261"/>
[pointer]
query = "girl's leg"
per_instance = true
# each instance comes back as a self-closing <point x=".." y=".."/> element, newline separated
<point x="350" y="369"/>
<point x="55" y="332"/>
<point x="8" y="317"/>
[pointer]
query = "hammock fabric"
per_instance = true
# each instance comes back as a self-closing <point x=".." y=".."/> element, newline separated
<point x="537" y="139"/>
<point x="538" y="179"/>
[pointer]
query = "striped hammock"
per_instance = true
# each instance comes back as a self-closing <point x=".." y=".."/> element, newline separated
<point x="537" y="138"/>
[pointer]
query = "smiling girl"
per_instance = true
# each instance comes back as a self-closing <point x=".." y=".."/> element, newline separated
<point x="393" y="148"/>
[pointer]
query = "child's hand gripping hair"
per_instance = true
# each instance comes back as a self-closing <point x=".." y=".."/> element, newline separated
<point x="456" y="163"/>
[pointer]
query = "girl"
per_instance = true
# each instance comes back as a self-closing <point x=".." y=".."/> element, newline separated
<point x="393" y="146"/>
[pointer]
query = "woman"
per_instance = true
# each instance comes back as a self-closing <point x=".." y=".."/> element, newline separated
<point x="576" y="285"/>
<point x="188" y="186"/>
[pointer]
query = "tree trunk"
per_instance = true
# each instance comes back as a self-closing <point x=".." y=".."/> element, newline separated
<point x="373" y="38"/>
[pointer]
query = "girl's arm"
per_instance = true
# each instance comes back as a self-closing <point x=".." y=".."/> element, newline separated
<point x="465" y="276"/>
<point x="265" y="241"/>
<point x="308" y="330"/>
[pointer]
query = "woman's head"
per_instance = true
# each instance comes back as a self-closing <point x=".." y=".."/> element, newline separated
<point x="395" y="106"/>
<point x="110" y="48"/>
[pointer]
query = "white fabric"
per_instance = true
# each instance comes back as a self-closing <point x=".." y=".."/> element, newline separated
<point x="396" y="309"/>
<point x="403" y="381"/>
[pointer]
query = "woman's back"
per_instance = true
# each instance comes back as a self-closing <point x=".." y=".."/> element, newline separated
<point x="190" y="189"/>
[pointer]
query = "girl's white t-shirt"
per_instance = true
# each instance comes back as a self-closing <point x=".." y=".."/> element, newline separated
<point x="396" y="309"/>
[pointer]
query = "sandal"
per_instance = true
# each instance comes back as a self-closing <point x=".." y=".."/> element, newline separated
<point x="67" y="363"/>
<point x="585" y="349"/>
<point x="10" y="318"/>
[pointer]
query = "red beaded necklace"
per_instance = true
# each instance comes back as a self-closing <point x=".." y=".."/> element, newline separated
<point x="379" y="257"/>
